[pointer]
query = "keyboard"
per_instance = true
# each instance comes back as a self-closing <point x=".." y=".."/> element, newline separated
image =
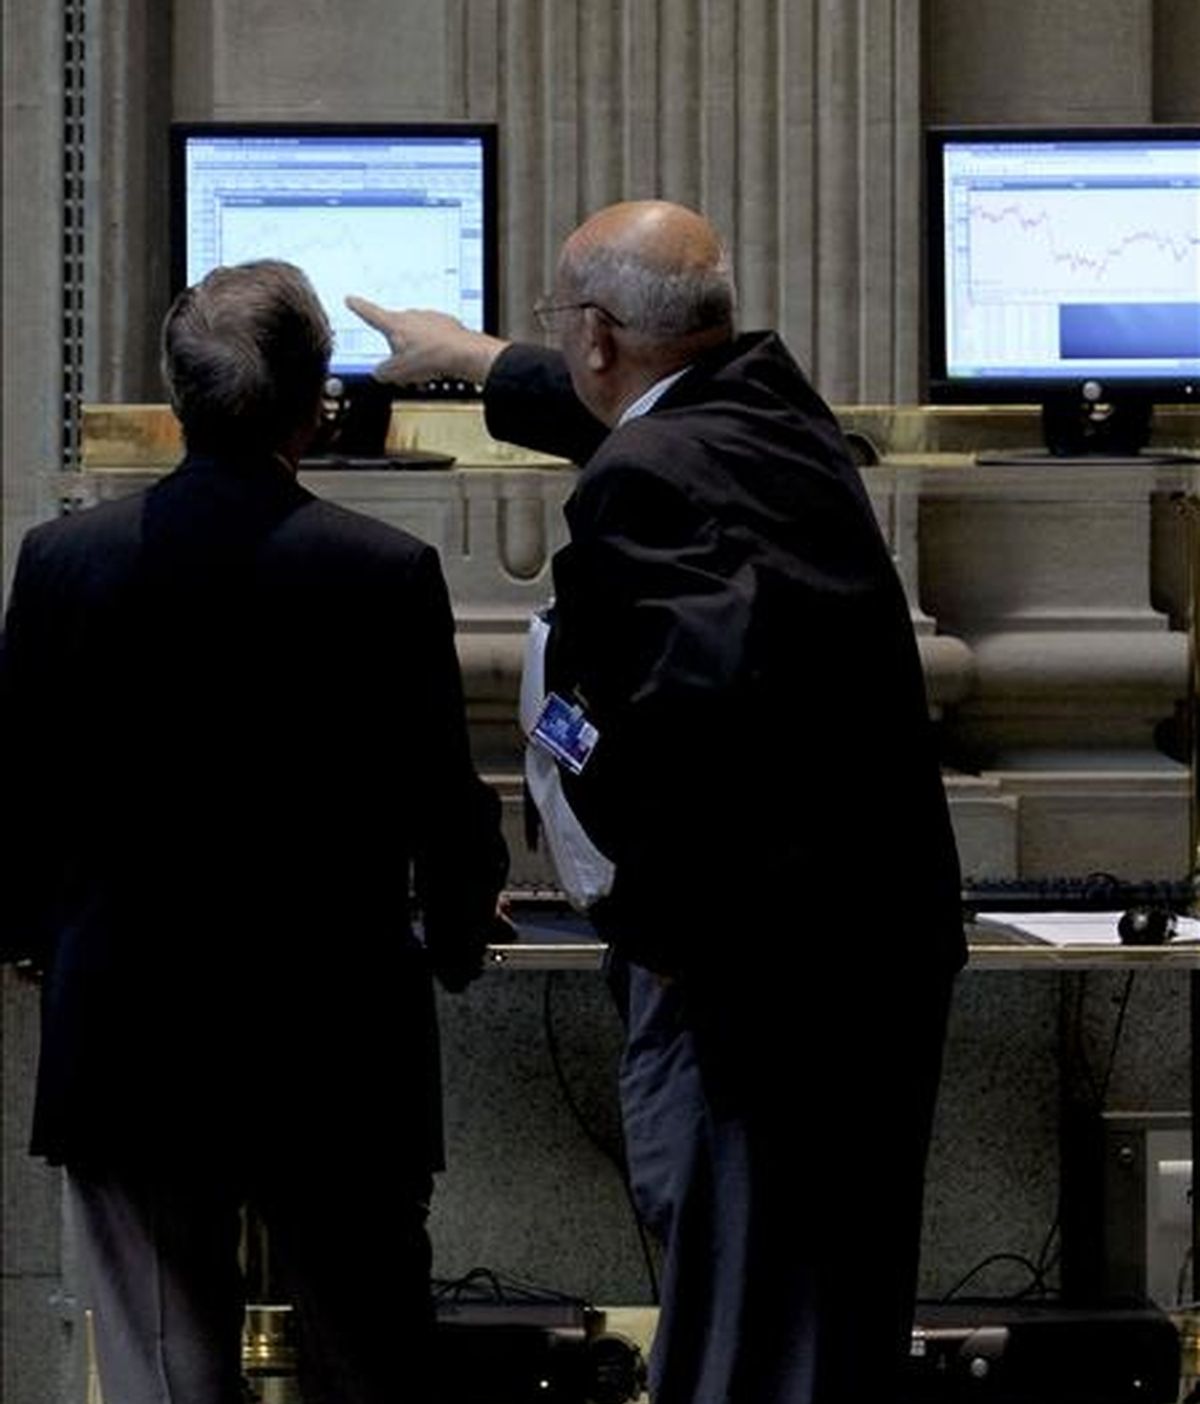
<point x="1095" y="892"/>
<point x="545" y="916"/>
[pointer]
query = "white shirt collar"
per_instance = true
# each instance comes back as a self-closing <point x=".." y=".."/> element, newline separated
<point x="649" y="398"/>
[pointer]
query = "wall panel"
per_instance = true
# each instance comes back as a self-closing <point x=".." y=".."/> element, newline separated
<point x="1072" y="61"/>
<point x="1176" y="65"/>
<point x="780" y="119"/>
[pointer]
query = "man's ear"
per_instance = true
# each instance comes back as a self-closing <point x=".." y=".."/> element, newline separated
<point x="601" y="344"/>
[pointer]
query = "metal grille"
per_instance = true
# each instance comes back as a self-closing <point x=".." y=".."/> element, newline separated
<point x="72" y="235"/>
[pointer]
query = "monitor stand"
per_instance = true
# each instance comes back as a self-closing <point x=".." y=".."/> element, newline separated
<point x="1080" y="429"/>
<point x="354" y="430"/>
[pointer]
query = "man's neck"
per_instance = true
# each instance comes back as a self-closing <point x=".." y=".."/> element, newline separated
<point x="668" y="362"/>
<point x="649" y="397"/>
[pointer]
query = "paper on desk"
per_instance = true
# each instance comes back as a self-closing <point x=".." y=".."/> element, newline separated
<point x="1081" y="928"/>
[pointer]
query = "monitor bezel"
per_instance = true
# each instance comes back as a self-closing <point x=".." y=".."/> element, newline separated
<point x="486" y="132"/>
<point x="943" y="388"/>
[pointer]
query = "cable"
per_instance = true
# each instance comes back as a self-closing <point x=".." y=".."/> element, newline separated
<point x="1050" y="1252"/>
<point x="1181" y="1280"/>
<point x="615" y="1157"/>
<point x="1098" y="1091"/>
<point x="499" y="1287"/>
<point x="1123" y="1009"/>
<point x="1019" y="1258"/>
<point x="1082" y="1064"/>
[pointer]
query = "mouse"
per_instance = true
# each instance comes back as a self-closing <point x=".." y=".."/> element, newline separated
<point x="862" y="448"/>
<point x="1144" y="926"/>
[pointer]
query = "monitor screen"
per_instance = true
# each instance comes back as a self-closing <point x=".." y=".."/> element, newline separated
<point x="1061" y="259"/>
<point x="404" y="214"/>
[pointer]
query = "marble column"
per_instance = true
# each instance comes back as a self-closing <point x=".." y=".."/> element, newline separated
<point x="1075" y="61"/>
<point x="1176" y="70"/>
<point x="32" y="280"/>
<point x="34" y="1320"/>
<point x="126" y="239"/>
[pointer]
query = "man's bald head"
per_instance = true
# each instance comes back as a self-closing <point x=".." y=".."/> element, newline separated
<point x="659" y="268"/>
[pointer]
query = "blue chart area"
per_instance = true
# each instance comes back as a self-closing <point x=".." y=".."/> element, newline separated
<point x="399" y="257"/>
<point x="1056" y="246"/>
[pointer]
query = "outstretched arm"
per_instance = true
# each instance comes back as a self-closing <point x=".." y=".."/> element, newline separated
<point x="425" y="345"/>
<point x="527" y="392"/>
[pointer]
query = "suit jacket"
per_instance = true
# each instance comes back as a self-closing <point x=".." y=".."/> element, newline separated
<point x="729" y="614"/>
<point x="234" y="728"/>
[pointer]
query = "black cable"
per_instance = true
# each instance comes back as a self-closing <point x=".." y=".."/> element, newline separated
<point x="1081" y="1062"/>
<point x="457" y="1286"/>
<point x="615" y="1157"/>
<point x="1019" y="1258"/>
<point x="1098" y="1091"/>
<point x="1040" y="1267"/>
<point x="608" y="1151"/>
<point x="1181" y="1280"/>
<point x="500" y="1288"/>
<point x="1045" y="1263"/>
<point x="1118" y="1028"/>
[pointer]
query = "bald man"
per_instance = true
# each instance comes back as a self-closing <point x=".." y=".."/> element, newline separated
<point x="783" y="894"/>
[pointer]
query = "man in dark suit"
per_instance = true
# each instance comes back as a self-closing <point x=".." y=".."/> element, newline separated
<point x="234" y="735"/>
<point x="784" y="900"/>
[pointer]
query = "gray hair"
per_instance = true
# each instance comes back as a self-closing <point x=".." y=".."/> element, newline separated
<point x="648" y="298"/>
<point x="245" y="353"/>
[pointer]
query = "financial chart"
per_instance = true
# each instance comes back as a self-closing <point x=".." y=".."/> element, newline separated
<point x="396" y="255"/>
<point x="1065" y="259"/>
<point x="398" y="219"/>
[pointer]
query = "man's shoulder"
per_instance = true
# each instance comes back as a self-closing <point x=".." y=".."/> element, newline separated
<point x="105" y="523"/>
<point x="649" y="449"/>
<point x="752" y="379"/>
<point x="750" y="403"/>
<point x="320" y="522"/>
<point x="672" y="441"/>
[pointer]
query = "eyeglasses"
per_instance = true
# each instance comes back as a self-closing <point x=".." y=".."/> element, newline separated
<point x="546" y="311"/>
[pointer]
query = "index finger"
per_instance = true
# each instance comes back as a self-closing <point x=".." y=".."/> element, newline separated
<point x="370" y="312"/>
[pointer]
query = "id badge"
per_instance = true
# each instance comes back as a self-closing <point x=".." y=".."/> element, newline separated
<point x="565" y="732"/>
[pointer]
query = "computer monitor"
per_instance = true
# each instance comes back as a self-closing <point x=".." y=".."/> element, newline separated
<point x="1064" y="270"/>
<point x="402" y="213"/>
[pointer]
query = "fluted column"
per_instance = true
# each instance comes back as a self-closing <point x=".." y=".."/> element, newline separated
<point x="1176" y="70"/>
<point x="1074" y="61"/>
<point x="792" y="123"/>
<point x="127" y="257"/>
<point x="32" y="283"/>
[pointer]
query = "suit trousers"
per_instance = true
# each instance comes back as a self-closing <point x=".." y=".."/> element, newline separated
<point x="159" y="1258"/>
<point x="776" y="1135"/>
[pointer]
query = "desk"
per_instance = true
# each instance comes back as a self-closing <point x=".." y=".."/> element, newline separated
<point x="554" y="939"/>
<point x="568" y="943"/>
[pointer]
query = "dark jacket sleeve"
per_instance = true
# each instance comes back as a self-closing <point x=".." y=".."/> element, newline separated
<point x="24" y="924"/>
<point x="528" y="400"/>
<point x="460" y="860"/>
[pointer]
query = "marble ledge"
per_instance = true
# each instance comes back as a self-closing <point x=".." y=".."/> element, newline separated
<point x="133" y="438"/>
<point x="146" y="436"/>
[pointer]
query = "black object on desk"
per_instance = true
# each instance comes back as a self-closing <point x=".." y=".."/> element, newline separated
<point x="1145" y="926"/>
<point x="1042" y="1353"/>
<point x="1095" y="892"/>
<point x="549" y="918"/>
<point x="356" y="417"/>
<point x="390" y="461"/>
<point x="532" y="1353"/>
